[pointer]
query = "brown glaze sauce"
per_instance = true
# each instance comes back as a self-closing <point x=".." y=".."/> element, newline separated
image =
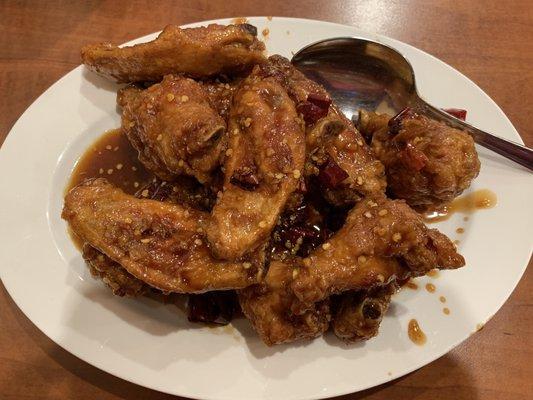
<point x="239" y="20"/>
<point x="477" y="200"/>
<point x="415" y="333"/>
<point x="434" y="273"/>
<point x="430" y="287"/>
<point x="411" y="285"/>
<point x="112" y="157"/>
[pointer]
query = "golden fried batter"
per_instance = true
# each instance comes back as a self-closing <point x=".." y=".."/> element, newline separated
<point x="196" y="52"/>
<point x="156" y="242"/>
<point x="174" y="128"/>
<point x="267" y="306"/>
<point x="263" y="166"/>
<point x="359" y="314"/>
<point x="120" y="281"/>
<point x="428" y="163"/>
<point x="333" y="143"/>
<point x="380" y="241"/>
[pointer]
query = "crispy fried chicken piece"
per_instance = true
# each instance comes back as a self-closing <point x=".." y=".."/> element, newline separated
<point x="156" y="242"/>
<point x="196" y="52"/>
<point x="264" y="161"/>
<point x="428" y="163"/>
<point x="174" y="128"/>
<point x="267" y="306"/>
<point x="220" y="94"/>
<point x="381" y="240"/>
<point x="336" y="151"/>
<point x="359" y="314"/>
<point x="120" y="281"/>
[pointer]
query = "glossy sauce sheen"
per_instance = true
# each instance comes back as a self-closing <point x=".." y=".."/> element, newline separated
<point x="112" y="152"/>
<point x="478" y="200"/>
<point x="108" y="151"/>
<point x="415" y="333"/>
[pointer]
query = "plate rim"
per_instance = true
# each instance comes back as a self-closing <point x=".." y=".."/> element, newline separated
<point x="426" y="359"/>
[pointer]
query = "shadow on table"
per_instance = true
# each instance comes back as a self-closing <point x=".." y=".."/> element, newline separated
<point x="443" y="378"/>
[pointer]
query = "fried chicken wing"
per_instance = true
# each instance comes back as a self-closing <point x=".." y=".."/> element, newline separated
<point x="380" y="241"/>
<point x="156" y="242"/>
<point x="359" y="314"/>
<point x="197" y="52"/>
<point x="336" y="151"/>
<point x="263" y="167"/>
<point x="427" y="163"/>
<point x="267" y="306"/>
<point x="120" y="281"/>
<point x="174" y="128"/>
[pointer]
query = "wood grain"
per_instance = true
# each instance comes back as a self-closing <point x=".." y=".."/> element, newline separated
<point x="489" y="41"/>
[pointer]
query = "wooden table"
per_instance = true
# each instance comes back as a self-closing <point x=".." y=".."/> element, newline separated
<point x="489" y="41"/>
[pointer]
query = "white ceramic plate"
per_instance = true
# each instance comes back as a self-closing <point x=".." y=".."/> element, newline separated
<point x="153" y="345"/>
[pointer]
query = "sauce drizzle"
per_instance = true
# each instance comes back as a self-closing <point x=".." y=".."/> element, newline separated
<point x="478" y="200"/>
<point x="430" y="287"/>
<point x="415" y="333"/>
<point x="442" y="299"/>
<point x="446" y="310"/>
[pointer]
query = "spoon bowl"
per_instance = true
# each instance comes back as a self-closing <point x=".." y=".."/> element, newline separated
<point x="361" y="74"/>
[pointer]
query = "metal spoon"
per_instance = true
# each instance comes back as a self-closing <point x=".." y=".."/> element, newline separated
<point x="361" y="74"/>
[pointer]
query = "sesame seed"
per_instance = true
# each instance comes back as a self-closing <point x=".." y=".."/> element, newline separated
<point x="361" y="259"/>
<point x="359" y="180"/>
<point x="326" y="246"/>
<point x="131" y="124"/>
<point x="147" y="240"/>
<point x="108" y="147"/>
<point x="186" y="213"/>
<point x="368" y="214"/>
<point x="116" y="148"/>
<point x="383" y="212"/>
<point x="199" y="230"/>
<point x="235" y="132"/>
<point x="128" y="220"/>
<point x="109" y="171"/>
<point x="279" y="175"/>
<point x="184" y="98"/>
<point x="144" y="193"/>
<point x="380" y="278"/>
<point x="397" y="237"/>
<point x="246" y="265"/>
<point x="307" y="262"/>
<point x="229" y="152"/>
<point x="263" y="224"/>
<point x="294" y="273"/>
<point x="159" y="137"/>
<point x="119" y="166"/>
<point x="372" y="203"/>
<point x="198" y="242"/>
<point x="296" y="173"/>
<point x="134" y="168"/>
<point x="247" y="122"/>
<point x="101" y="170"/>
<point x="359" y="142"/>
<point x="135" y="184"/>
<point x="170" y="97"/>
<point x="180" y="163"/>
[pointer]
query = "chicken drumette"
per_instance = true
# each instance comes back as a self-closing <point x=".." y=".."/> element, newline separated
<point x="197" y="52"/>
<point x="174" y="127"/>
<point x="427" y="163"/>
<point x="263" y="167"/>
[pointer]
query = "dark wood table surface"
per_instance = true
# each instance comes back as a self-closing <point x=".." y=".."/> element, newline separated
<point x="489" y="41"/>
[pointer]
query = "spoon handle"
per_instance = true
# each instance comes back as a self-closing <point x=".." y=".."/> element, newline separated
<point x="514" y="151"/>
